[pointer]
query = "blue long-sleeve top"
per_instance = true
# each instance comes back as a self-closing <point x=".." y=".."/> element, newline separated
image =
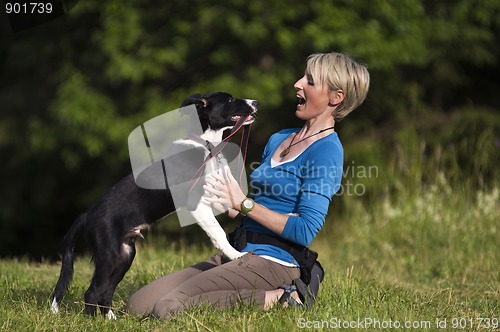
<point x="304" y="185"/>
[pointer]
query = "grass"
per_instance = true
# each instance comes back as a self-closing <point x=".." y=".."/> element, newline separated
<point x="431" y="257"/>
<point x="419" y="251"/>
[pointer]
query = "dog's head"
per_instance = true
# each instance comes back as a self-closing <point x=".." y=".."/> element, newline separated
<point x="220" y="110"/>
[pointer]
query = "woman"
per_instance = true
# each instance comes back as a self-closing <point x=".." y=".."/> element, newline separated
<point x="300" y="172"/>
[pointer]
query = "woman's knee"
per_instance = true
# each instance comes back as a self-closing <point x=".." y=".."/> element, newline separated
<point x="138" y="305"/>
<point x="166" y="308"/>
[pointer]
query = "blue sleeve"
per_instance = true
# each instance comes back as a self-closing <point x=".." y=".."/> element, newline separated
<point x="321" y="180"/>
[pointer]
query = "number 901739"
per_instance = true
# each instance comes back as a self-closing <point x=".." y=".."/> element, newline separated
<point x="28" y="8"/>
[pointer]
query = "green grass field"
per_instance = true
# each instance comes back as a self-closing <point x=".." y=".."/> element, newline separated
<point x="416" y="252"/>
<point x="419" y="260"/>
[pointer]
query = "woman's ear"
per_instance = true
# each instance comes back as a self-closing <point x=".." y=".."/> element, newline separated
<point x="336" y="97"/>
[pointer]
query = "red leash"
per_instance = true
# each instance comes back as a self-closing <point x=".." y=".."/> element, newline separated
<point x="217" y="149"/>
<point x="244" y="147"/>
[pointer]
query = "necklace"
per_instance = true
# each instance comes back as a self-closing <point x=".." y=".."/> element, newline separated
<point x="287" y="150"/>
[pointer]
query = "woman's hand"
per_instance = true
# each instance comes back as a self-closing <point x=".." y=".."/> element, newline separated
<point x="225" y="190"/>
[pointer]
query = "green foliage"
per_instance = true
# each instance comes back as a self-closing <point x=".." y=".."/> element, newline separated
<point x="73" y="89"/>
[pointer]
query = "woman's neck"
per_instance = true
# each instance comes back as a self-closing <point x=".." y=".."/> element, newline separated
<point x="313" y="126"/>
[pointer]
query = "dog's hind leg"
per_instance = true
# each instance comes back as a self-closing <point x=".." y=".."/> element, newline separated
<point x="122" y="265"/>
<point x="97" y="286"/>
<point x="106" y="255"/>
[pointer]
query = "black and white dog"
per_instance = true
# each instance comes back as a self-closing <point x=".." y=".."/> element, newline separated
<point x="116" y="220"/>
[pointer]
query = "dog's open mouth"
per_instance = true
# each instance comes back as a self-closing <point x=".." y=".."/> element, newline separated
<point x="250" y="119"/>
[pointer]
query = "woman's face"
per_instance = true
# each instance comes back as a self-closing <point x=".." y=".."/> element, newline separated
<point x="314" y="97"/>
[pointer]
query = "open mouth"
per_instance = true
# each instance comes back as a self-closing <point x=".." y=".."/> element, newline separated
<point x="302" y="101"/>
<point x="250" y="118"/>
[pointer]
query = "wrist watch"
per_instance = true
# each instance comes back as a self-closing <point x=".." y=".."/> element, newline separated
<point x="247" y="205"/>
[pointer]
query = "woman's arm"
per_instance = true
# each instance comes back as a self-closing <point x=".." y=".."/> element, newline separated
<point x="319" y="183"/>
<point x="226" y="191"/>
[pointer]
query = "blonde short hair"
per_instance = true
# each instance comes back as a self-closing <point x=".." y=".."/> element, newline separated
<point x="341" y="72"/>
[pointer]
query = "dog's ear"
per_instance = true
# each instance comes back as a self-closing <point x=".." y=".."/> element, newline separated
<point x="196" y="100"/>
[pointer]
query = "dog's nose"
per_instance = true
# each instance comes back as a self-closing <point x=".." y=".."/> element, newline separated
<point x="252" y="103"/>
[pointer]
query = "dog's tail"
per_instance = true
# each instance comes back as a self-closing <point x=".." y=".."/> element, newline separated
<point x="67" y="261"/>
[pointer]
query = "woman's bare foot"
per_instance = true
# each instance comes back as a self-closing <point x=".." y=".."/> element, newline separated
<point x="272" y="297"/>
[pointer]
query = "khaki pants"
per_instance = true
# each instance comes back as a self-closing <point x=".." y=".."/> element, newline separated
<point x="216" y="281"/>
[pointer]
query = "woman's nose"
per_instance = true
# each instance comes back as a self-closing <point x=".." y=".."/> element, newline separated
<point x="297" y="85"/>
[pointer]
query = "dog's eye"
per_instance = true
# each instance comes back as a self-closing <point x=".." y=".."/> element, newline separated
<point x="231" y="99"/>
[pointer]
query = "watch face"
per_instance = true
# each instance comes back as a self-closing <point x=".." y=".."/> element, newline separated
<point x="248" y="203"/>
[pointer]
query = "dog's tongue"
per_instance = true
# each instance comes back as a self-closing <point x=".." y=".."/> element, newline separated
<point x="240" y="119"/>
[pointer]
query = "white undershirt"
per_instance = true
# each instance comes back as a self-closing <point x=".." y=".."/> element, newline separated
<point x="279" y="261"/>
<point x="277" y="163"/>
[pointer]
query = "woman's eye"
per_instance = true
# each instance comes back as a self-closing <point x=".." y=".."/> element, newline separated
<point x="309" y="79"/>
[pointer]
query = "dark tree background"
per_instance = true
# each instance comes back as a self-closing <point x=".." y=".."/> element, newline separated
<point x="72" y="89"/>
